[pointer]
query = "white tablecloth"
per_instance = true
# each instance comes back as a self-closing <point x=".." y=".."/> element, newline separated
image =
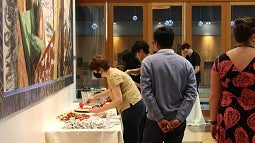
<point x="55" y="133"/>
<point x="84" y="136"/>
<point x="196" y="117"/>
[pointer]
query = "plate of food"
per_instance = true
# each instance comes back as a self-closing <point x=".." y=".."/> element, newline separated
<point x="68" y="115"/>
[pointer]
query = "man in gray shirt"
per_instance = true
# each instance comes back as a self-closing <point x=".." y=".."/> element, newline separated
<point x="168" y="86"/>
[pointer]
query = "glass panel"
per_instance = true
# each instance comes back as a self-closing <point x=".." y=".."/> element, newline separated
<point x="169" y="16"/>
<point x="127" y="28"/>
<point x="89" y="42"/>
<point x="206" y="39"/>
<point x="240" y="11"/>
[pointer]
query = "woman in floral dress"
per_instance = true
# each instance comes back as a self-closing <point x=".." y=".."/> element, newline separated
<point x="232" y="94"/>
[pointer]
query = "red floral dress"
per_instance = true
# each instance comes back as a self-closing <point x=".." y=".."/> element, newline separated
<point x="236" y="117"/>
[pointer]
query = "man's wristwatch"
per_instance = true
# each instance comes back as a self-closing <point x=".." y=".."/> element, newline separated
<point x="213" y="122"/>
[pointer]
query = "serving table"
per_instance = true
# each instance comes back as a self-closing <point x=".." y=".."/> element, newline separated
<point x="95" y="129"/>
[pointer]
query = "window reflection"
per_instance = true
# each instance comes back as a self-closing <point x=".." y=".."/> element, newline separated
<point x="89" y="42"/>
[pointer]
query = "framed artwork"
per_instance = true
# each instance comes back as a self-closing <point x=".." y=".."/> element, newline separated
<point x="36" y="51"/>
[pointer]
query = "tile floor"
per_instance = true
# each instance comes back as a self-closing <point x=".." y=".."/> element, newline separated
<point x="198" y="134"/>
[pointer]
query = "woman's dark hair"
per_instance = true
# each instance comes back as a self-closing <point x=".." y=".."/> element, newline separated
<point x="129" y="60"/>
<point x="98" y="62"/>
<point x="140" y="45"/>
<point x="164" y="36"/>
<point x="244" y="28"/>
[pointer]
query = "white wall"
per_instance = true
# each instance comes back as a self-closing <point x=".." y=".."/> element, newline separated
<point x="27" y="126"/>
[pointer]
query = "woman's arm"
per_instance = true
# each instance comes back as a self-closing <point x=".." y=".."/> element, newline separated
<point x="133" y="71"/>
<point x="215" y="95"/>
<point x="196" y="69"/>
<point x="96" y="96"/>
<point x="117" y="95"/>
<point x="214" y="100"/>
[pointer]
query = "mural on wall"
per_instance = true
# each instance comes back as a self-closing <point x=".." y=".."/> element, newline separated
<point x="37" y="42"/>
<point x="36" y="51"/>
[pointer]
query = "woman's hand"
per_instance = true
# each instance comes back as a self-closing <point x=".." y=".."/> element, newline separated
<point x="96" y="109"/>
<point x="89" y="100"/>
<point x="128" y="71"/>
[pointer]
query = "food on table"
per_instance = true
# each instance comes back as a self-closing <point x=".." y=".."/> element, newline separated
<point x="81" y="105"/>
<point x="67" y="116"/>
<point x="100" y="114"/>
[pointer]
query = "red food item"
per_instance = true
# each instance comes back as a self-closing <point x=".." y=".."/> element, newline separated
<point x="102" y="103"/>
<point x="85" y="116"/>
<point x="108" y="99"/>
<point x="82" y="116"/>
<point x="81" y="105"/>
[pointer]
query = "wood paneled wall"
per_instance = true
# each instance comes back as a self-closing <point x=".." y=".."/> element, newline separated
<point x="208" y="47"/>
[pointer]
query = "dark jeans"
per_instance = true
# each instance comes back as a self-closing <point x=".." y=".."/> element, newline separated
<point x="153" y="134"/>
<point x="132" y="118"/>
<point x="142" y="127"/>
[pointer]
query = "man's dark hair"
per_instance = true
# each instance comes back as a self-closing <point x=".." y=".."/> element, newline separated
<point x="164" y="36"/>
<point x="140" y="45"/>
<point x="185" y="46"/>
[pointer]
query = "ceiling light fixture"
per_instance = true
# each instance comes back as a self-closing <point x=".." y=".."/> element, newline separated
<point x="200" y="22"/>
<point x="232" y="23"/>
<point x="134" y="18"/>
<point x="169" y="22"/>
<point x="94" y="26"/>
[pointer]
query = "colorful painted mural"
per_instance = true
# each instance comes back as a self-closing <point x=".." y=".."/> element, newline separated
<point x="36" y="51"/>
<point x="39" y="45"/>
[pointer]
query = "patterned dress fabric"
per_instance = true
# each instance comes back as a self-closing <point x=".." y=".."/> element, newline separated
<point x="236" y="117"/>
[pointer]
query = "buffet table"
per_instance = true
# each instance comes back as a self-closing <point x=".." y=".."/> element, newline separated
<point x="95" y="129"/>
